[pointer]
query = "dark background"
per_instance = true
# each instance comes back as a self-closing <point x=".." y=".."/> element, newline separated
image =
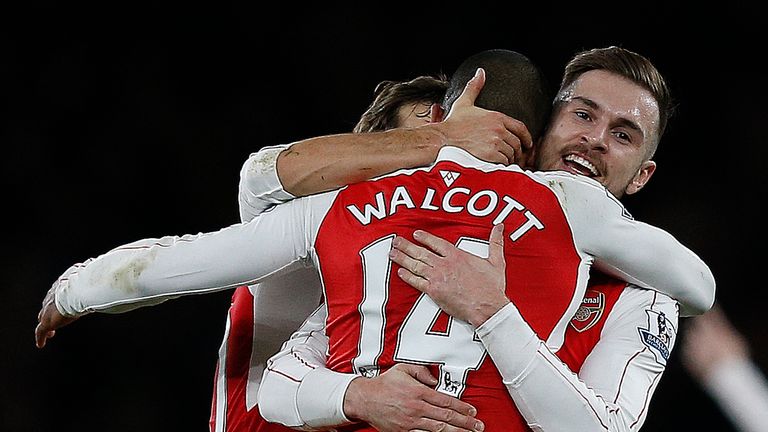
<point x="131" y="120"/>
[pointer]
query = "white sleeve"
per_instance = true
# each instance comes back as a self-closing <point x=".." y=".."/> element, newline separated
<point x="614" y="386"/>
<point x="153" y="269"/>
<point x="260" y="188"/>
<point x="631" y="250"/>
<point x="297" y="390"/>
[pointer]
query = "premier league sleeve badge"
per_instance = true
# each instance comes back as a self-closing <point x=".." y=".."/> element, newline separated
<point x="659" y="336"/>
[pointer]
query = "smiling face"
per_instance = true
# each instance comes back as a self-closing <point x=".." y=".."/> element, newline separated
<point x="604" y="127"/>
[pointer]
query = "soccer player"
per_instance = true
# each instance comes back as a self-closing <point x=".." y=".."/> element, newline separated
<point x="261" y="318"/>
<point x="141" y="269"/>
<point x="614" y="326"/>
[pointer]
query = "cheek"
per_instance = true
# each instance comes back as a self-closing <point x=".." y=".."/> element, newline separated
<point x="564" y="130"/>
<point x="555" y="139"/>
<point x="622" y="169"/>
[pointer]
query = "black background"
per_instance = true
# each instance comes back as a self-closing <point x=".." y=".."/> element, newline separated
<point x="131" y="120"/>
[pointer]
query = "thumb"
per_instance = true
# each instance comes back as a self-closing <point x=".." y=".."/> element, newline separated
<point x="42" y="334"/>
<point x="472" y="89"/>
<point x="421" y="373"/>
<point x="496" y="245"/>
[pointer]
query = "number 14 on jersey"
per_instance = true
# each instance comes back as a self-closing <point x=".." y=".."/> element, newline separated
<point x="455" y="348"/>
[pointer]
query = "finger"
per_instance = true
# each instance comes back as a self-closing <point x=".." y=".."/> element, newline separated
<point x="415" y="251"/>
<point x="471" y="89"/>
<point x="499" y="157"/>
<point x="432" y="425"/>
<point x="519" y="129"/>
<point x="452" y="404"/>
<point x="411" y="279"/>
<point x="41" y="334"/>
<point x="496" y="245"/>
<point x="440" y="246"/>
<point x="420" y="373"/>
<point x="418" y="268"/>
<point x="508" y="146"/>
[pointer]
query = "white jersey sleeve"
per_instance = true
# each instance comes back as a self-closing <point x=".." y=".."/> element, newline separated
<point x="274" y="318"/>
<point x="631" y="250"/>
<point x="289" y="387"/>
<point x="152" y="269"/>
<point x="260" y="188"/>
<point x="613" y="388"/>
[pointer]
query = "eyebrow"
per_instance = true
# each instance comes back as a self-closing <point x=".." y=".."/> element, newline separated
<point x="623" y="121"/>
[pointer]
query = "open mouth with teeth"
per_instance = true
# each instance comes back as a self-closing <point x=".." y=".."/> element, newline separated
<point x="580" y="165"/>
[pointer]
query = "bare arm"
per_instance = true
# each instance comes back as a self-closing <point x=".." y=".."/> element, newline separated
<point x="324" y="163"/>
<point x="328" y="162"/>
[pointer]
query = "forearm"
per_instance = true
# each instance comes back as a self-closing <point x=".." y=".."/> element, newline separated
<point x="289" y="394"/>
<point x="634" y="251"/>
<point x="540" y="383"/>
<point x="324" y="163"/>
<point x="154" y="269"/>
<point x="658" y="261"/>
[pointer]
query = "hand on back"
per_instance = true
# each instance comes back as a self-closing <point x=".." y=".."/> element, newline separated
<point x="488" y="135"/>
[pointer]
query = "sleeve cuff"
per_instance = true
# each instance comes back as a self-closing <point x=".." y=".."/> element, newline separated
<point x="320" y="400"/>
<point x="260" y="187"/>
<point x="261" y="173"/>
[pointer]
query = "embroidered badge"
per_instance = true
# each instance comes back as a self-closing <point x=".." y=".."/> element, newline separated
<point x="659" y="336"/>
<point x="449" y="177"/>
<point x="590" y="311"/>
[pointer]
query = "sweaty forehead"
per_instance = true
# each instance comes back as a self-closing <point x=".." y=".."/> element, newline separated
<point x="617" y="97"/>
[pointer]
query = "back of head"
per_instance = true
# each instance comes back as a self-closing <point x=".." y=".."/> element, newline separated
<point x="389" y="96"/>
<point x="514" y="85"/>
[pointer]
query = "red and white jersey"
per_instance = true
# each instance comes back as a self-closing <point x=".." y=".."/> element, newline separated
<point x="346" y="235"/>
<point x="260" y="189"/>
<point x="259" y="321"/>
<point x="261" y="317"/>
<point x="618" y="343"/>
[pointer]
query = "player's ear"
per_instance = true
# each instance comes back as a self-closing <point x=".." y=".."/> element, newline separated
<point x="641" y="178"/>
<point x="436" y="113"/>
<point x="529" y="157"/>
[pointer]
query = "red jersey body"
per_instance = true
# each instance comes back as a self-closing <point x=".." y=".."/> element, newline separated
<point x="581" y="336"/>
<point x="376" y="320"/>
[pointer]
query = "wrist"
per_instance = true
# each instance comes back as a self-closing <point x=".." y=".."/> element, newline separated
<point x="422" y="143"/>
<point x="487" y="311"/>
<point x="354" y="399"/>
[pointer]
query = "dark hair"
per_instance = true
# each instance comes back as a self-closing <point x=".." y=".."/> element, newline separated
<point x="627" y="64"/>
<point x="514" y="85"/>
<point x="389" y="96"/>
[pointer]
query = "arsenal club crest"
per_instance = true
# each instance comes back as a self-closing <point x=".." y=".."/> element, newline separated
<point x="590" y="311"/>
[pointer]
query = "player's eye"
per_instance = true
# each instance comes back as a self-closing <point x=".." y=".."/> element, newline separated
<point x="583" y="115"/>
<point x="623" y="137"/>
